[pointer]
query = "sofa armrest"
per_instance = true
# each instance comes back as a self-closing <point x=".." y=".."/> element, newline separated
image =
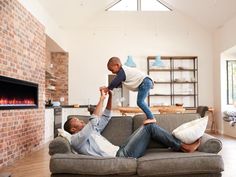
<point x="210" y="144"/>
<point x="59" y="145"/>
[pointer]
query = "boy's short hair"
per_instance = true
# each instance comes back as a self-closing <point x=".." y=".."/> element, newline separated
<point x="67" y="125"/>
<point x="114" y="60"/>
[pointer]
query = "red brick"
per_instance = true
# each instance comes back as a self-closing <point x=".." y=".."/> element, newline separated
<point x="59" y="60"/>
<point x="25" y="61"/>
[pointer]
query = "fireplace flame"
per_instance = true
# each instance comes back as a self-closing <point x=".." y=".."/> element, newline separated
<point x="14" y="101"/>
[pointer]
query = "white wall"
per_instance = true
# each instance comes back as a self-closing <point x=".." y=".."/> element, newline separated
<point x="224" y="39"/>
<point x="51" y="28"/>
<point x="139" y="35"/>
<point x="121" y="34"/>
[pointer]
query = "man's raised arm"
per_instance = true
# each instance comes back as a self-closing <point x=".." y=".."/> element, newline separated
<point x="98" y="109"/>
<point x="109" y="102"/>
<point x="106" y="115"/>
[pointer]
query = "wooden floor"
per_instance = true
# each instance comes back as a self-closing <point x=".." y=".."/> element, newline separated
<point x="33" y="165"/>
<point x="229" y="155"/>
<point x="37" y="164"/>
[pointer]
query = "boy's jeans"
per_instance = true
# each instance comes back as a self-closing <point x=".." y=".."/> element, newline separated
<point x="136" y="145"/>
<point x="143" y="91"/>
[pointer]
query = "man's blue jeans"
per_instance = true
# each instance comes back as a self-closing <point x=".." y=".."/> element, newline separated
<point x="136" y="145"/>
<point x="143" y="91"/>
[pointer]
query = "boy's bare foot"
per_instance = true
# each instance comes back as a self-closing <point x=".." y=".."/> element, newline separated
<point x="190" y="147"/>
<point x="149" y="121"/>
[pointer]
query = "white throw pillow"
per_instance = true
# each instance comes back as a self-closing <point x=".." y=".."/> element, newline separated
<point x="189" y="132"/>
<point x="64" y="134"/>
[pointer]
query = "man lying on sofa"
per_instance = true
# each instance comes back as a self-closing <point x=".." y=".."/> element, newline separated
<point x="87" y="139"/>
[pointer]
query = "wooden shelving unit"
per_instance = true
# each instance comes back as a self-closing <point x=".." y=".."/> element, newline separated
<point x="177" y="82"/>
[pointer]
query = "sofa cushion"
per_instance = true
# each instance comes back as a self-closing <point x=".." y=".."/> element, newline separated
<point x="83" y="164"/>
<point x="167" y="121"/>
<point x="178" y="163"/>
<point x="118" y="129"/>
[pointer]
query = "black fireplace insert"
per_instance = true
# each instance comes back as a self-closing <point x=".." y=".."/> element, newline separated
<point x="17" y="94"/>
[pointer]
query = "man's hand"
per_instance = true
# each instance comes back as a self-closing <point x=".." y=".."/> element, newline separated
<point x="103" y="95"/>
<point x="104" y="88"/>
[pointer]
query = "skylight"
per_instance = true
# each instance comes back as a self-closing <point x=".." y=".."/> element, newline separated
<point x="124" y="5"/>
<point x="153" y="5"/>
<point x="138" y="5"/>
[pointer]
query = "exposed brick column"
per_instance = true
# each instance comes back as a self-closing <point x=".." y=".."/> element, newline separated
<point x="22" y="56"/>
<point x="59" y="70"/>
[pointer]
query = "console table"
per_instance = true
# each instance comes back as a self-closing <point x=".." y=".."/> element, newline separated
<point x="213" y="123"/>
<point x="160" y="109"/>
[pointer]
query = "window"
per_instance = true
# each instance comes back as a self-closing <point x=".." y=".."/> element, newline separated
<point x="153" y="5"/>
<point x="124" y="5"/>
<point x="231" y="81"/>
<point x="138" y="5"/>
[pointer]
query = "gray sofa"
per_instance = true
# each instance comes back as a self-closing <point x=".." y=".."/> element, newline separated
<point x="158" y="160"/>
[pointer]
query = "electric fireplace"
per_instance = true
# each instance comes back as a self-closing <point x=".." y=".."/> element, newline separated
<point x="17" y="94"/>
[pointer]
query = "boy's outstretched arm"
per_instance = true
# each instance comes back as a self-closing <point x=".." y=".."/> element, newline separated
<point x="99" y="106"/>
<point x="116" y="82"/>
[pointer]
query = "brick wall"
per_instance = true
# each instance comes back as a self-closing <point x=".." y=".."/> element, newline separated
<point x="59" y="69"/>
<point x="22" y="56"/>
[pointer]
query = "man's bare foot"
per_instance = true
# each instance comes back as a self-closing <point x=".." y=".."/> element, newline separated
<point x="149" y="121"/>
<point x="190" y="147"/>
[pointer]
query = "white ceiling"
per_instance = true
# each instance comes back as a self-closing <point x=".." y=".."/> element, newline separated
<point x="211" y="14"/>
